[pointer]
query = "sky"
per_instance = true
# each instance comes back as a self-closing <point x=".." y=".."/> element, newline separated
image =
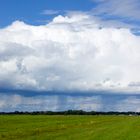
<point x="60" y="55"/>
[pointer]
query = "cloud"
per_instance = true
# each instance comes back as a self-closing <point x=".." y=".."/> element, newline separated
<point x="84" y="103"/>
<point x="14" y="102"/>
<point x="50" y="12"/>
<point x="74" y="52"/>
<point x="128" y="9"/>
<point x="128" y="104"/>
<point x="94" y="102"/>
<point x="105" y="21"/>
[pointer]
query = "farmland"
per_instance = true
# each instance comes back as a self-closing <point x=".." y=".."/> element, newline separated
<point x="44" y="127"/>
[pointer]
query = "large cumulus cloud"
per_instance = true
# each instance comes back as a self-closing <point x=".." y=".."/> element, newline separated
<point x="72" y="52"/>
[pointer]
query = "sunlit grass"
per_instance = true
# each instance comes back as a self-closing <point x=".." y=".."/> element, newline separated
<point x="42" y="127"/>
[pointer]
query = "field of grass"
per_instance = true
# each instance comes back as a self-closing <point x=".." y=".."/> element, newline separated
<point x="41" y="127"/>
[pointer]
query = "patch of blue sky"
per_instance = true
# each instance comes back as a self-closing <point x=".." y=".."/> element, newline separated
<point x="136" y="31"/>
<point x="30" y="11"/>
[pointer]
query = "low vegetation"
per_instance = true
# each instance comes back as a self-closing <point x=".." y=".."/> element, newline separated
<point x="69" y="127"/>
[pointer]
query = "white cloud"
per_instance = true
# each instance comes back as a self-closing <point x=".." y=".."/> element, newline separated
<point x="71" y="52"/>
<point x="121" y="8"/>
<point x="50" y="12"/>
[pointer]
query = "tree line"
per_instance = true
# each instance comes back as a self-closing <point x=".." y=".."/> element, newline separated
<point x="69" y="112"/>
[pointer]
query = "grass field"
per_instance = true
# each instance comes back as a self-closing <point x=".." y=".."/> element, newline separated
<point x="41" y="127"/>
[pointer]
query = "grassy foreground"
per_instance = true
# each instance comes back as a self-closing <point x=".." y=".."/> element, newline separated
<point x="41" y="127"/>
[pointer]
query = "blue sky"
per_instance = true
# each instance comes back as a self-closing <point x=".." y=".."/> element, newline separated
<point x="69" y="54"/>
<point x="30" y="10"/>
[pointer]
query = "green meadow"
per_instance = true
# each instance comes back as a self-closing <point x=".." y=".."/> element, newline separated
<point x="43" y="127"/>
